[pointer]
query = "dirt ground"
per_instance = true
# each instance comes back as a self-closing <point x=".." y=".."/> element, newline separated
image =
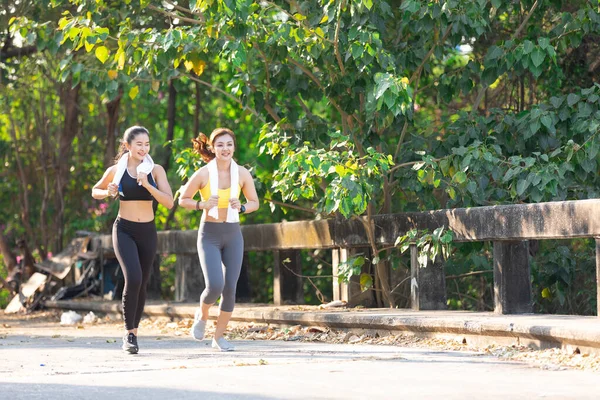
<point x="551" y="359"/>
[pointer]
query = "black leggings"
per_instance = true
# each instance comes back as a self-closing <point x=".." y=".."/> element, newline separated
<point x="135" y="246"/>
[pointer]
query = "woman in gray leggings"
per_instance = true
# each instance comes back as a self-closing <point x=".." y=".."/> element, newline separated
<point x="220" y="241"/>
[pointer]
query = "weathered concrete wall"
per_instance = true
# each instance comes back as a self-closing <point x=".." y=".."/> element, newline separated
<point x="553" y="220"/>
<point x="512" y="224"/>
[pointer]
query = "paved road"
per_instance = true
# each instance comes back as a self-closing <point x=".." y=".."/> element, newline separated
<point x="45" y="361"/>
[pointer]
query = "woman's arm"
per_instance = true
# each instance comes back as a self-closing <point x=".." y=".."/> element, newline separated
<point x="249" y="191"/>
<point x="194" y="184"/>
<point x="162" y="193"/>
<point x="104" y="187"/>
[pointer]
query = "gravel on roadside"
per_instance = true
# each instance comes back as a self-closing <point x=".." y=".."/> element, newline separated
<point x="551" y="359"/>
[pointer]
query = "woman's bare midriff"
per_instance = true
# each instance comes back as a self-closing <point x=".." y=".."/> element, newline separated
<point x="222" y="216"/>
<point x="136" y="210"/>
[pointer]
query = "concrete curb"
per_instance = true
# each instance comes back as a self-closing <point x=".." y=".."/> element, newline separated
<point x="536" y="330"/>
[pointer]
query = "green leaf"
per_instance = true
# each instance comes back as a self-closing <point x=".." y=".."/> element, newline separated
<point x="528" y="47"/>
<point x="547" y="122"/>
<point x="451" y="192"/>
<point x="383" y="82"/>
<point x="357" y="50"/>
<point x="534" y="127"/>
<point x="472" y="187"/>
<point x="543" y="42"/>
<point x="572" y="99"/>
<point x="102" y="33"/>
<point x="460" y="177"/>
<point x="594" y="149"/>
<point x="102" y="54"/>
<point x="556" y="101"/>
<point x="411" y="6"/>
<point x="522" y="185"/>
<point x="494" y="53"/>
<point x="537" y="57"/>
<point x="489" y="76"/>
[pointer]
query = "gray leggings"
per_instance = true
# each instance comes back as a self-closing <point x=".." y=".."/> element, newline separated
<point x="221" y="250"/>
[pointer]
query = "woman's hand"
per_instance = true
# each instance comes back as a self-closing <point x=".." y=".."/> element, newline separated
<point x="213" y="201"/>
<point x="113" y="189"/>
<point x="235" y="203"/>
<point x="143" y="179"/>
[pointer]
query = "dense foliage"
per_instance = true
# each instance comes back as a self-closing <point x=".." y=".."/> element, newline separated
<point x="350" y="107"/>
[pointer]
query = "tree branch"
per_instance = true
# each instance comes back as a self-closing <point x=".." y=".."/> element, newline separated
<point x="318" y="83"/>
<point x="409" y="163"/>
<point x="399" y="145"/>
<point x="514" y="36"/>
<point x="472" y="273"/>
<point x="308" y="73"/>
<point x="336" y="40"/>
<point x="173" y="15"/>
<point x="5" y="284"/>
<point x="281" y="204"/>
<point x="417" y="73"/>
<point x="17" y="52"/>
<point x="187" y="10"/>
<point x="229" y="95"/>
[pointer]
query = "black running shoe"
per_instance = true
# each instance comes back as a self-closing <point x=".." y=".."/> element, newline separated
<point x="130" y="343"/>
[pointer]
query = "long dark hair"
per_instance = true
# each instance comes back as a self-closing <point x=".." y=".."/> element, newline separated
<point x="128" y="137"/>
<point x="203" y="143"/>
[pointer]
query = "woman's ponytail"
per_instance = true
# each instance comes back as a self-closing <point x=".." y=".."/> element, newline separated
<point x="201" y="146"/>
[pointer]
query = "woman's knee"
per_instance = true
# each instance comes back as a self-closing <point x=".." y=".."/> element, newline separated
<point x="134" y="283"/>
<point x="212" y="292"/>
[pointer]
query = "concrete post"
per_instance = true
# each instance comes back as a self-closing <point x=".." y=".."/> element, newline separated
<point x="340" y="289"/>
<point x="243" y="292"/>
<point x="512" y="278"/>
<point x="345" y="291"/>
<point x="427" y="283"/>
<point x="287" y="283"/>
<point x="189" y="281"/>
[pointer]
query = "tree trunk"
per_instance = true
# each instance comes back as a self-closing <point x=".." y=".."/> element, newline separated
<point x="170" y="124"/>
<point x="7" y="255"/>
<point x="45" y="160"/>
<point x="382" y="273"/>
<point x="24" y="192"/>
<point x="197" y="111"/>
<point x="28" y="260"/>
<point x="70" y="101"/>
<point x="112" y="114"/>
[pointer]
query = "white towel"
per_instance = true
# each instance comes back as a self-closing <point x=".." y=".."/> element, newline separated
<point x="233" y="215"/>
<point x="146" y="167"/>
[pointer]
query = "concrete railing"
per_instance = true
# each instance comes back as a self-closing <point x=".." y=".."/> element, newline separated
<point x="509" y="227"/>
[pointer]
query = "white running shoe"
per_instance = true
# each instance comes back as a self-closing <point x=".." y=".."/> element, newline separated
<point x="222" y="344"/>
<point x="198" y="327"/>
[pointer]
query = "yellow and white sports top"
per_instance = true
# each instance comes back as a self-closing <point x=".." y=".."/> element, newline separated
<point x="224" y="195"/>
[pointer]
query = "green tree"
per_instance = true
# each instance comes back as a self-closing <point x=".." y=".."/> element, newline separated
<point x="373" y="107"/>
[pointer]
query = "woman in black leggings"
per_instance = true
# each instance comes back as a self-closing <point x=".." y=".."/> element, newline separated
<point x="220" y="242"/>
<point x="137" y="181"/>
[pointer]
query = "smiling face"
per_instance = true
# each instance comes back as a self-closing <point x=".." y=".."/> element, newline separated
<point x="139" y="146"/>
<point x="223" y="146"/>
